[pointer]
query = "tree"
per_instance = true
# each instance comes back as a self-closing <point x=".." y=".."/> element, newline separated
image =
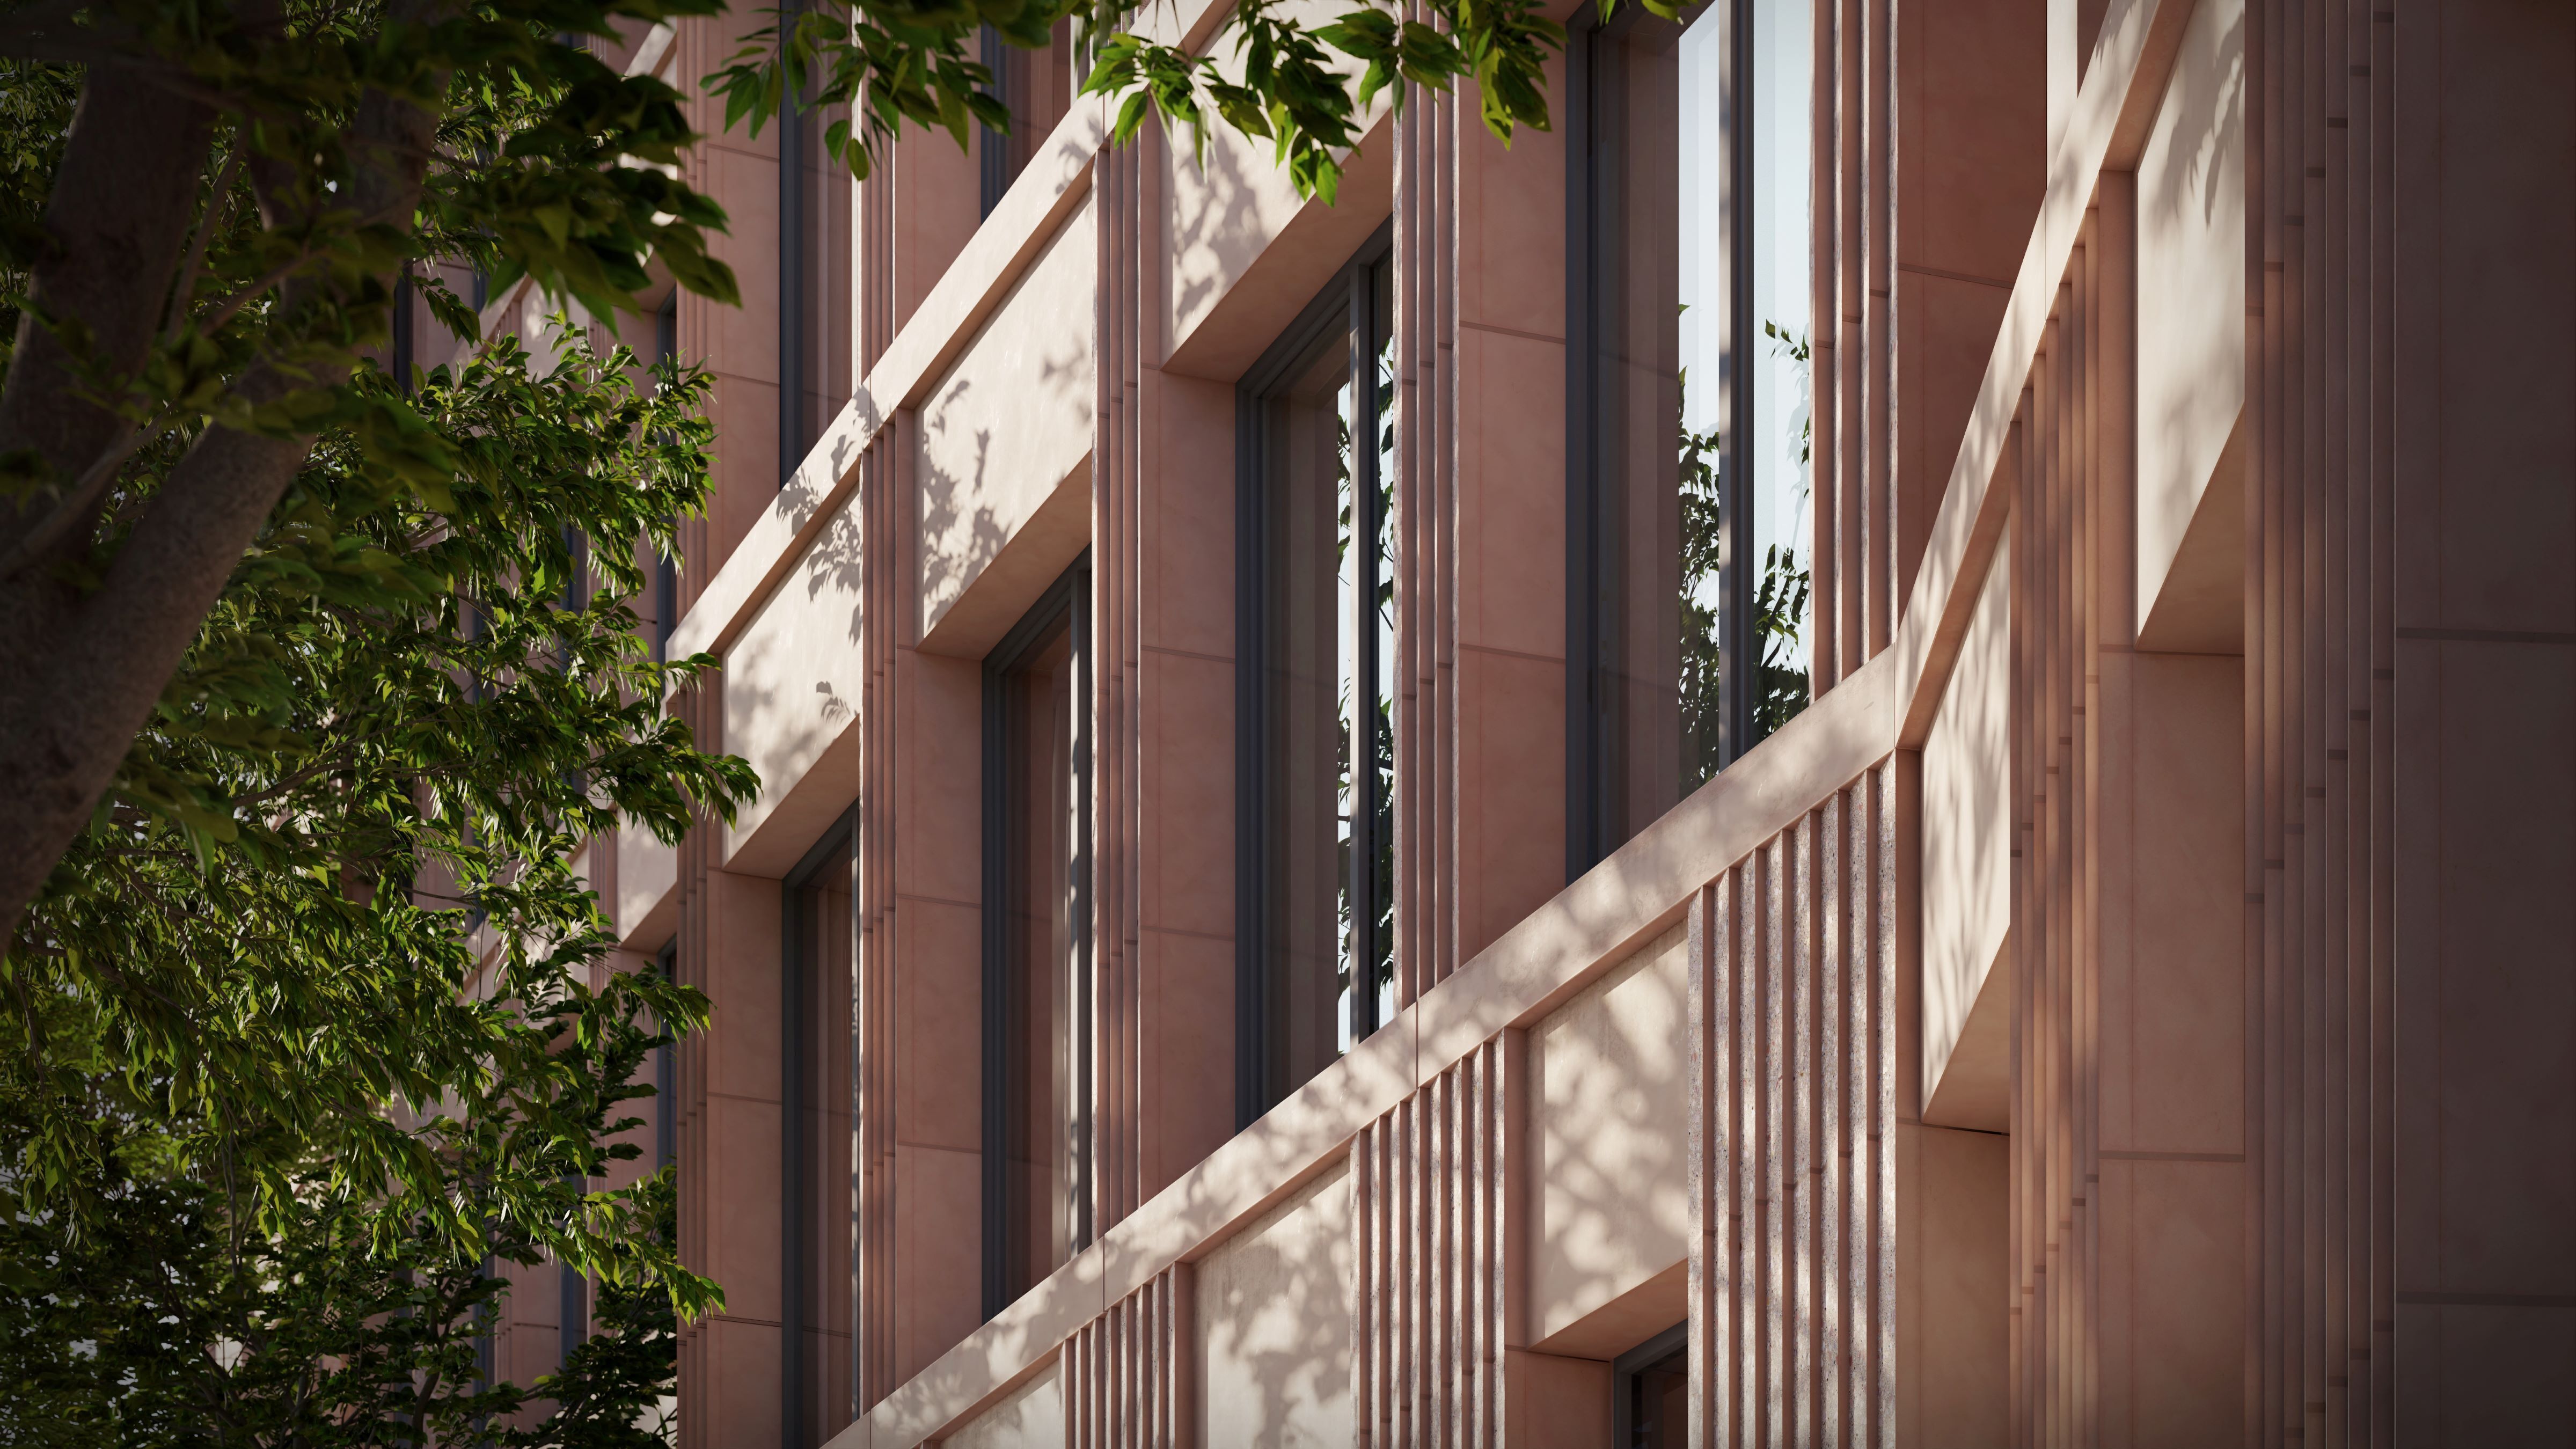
<point x="309" y="1029"/>
<point x="209" y="262"/>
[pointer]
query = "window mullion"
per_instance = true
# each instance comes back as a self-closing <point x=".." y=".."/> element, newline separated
<point x="1367" y="572"/>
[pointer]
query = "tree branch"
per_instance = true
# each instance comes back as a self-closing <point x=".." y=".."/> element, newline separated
<point x="219" y="210"/>
<point x="80" y="670"/>
<point x="71" y="701"/>
<point x="116" y="220"/>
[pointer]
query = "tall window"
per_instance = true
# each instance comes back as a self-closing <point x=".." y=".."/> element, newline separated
<point x="1316" y="768"/>
<point x="1687" y="483"/>
<point x="814" y="291"/>
<point x="821" y="1203"/>
<point x="666" y="1075"/>
<point x="1037" y="958"/>
<point x="406" y="318"/>
<point x="666" y="567"/>
<point x="1037" y="87"/>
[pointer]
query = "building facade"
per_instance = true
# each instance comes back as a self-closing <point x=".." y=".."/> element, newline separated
<point x="1962" y="627"/>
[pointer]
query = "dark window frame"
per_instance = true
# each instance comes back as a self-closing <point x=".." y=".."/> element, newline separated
<point x="1347" y="304"/>
<point x="666" y="568"/>
<point x="666" y="1073"/>
<point x="1587" y="568"/>
<point x="1003" y="62"/>
<point x="406" y="348"/>
<point x="1067" y="601"/>
<point x="838" y="845"/>
<point x="1623" y="1379"/>
<point x="573" y="1311"/>
<point x="794" y="243"/>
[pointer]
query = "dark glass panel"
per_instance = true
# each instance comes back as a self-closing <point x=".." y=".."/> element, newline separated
<point x="824" y="1197"/>
<point x="1041" y="1149"/>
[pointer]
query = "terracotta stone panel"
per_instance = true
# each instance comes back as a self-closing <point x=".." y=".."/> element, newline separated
<point x="1608" y="1078"/>
<point x="2501" y="1372"/>
<point x="1967" y="828"/>
<point x="745" y="471"/>
<point x="2191" y="285"/>
<point x="2507" y="304"/>
<point x="939" y="790"/>
<point x="1188" y="790"/>
<point x="1511" y="242"/>
<point x="2186" y="1270"/>
<point x="2182" y="1024"/>
<point x="1031" y="1416"/>
<point x="740" y="1380"/>
<point x="1189" y="532"/>
<point x="1511" y="512"/>
<point x="1189" y="980"/>
<point x="939" y="1267"/>
<point x="1511" y="800"/>
<point x="1007" y="425"/>
<point x="741" y="1147"/>
<point x="741" y="1043"/>
<point x="1955" y="1284"/>
<point x="1273" y="1350"/>
<point x="2507" y="930"/>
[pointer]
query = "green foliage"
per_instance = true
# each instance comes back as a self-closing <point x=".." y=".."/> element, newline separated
<point x="258" y="1071"/>
<point x="911" y="61"/>
<point x="35" y="110"/>
<point x="160" y="1327"/>
<point x="535" y="160"/>
<point x="1301" y="86"/>
<point x="1703" y="531"/>
<point x="1780" y="685"/>
<point x="1780" y="595"/>
<point x="1285" y="86"/>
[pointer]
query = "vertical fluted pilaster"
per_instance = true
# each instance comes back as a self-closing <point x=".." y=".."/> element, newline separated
<point x="1126" y="1374"/>
<point x="881" y="510"/>
<point x="2067" y="464"/>
<point x="1854" y="337"/>
<point x="2320" y="662"/>
<point x="1792" y="1272"/>
<point x="1431" y="1231"/>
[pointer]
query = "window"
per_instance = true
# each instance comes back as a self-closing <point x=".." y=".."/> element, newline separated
<point x="666" y="1075"/>
<point x="1316" y="756"/>
<point x="573" y="1315"/>
<point x="406" y="349"/>
<point x="1687" y="473"/>
<point x="1649" y="1387"/>
<point x="821" y="933"/>
<point x="1037" y="942"/>
<point x="814" y="251"/>
<point x="666" y="569"/>
<point x="1037" y="87"/>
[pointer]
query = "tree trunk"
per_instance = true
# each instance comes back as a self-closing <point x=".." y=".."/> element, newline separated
<point x="81" y="665"/>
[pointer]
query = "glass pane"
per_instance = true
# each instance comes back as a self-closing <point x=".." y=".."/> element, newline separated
<point x="1654" y="477"/>
<point x="1324" y="496"/>
<point x="1777" y="447"/>
<point x="823" y="282"/>
<point x="1667" y="341"/>
<point x="1381" y="948"/>
<point x="1040" y="1210"/>
<point x="1308" y="619"/>
<point x="828" y="1201"/>
<point x="1037" y="87"/>
<point x="1659" y="1405"/>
